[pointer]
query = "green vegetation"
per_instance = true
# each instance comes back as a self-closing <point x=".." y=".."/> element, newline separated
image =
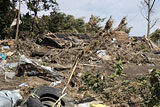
<point x="118" y="66"/>
<point x="155" y="88"/>
<point x="5" y="22"/>
<point x="59" y="22"/>
<point x="94" y="81"/>
<point x="144" y="92"/>
<point x="155" y="35"/>
<point x="32" y="25"/>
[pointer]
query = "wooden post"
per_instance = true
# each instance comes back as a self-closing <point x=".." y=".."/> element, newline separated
<point x="17" y="30"/>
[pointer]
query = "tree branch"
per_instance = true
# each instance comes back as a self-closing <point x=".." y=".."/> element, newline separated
<point x="143" y="15"/>
<point x="146" y="2"/>
<point x="152" y="5"/>
<point x="154" y="24"/>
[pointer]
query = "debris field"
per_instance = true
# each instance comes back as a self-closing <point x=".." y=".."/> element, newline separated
<point x="108" y="65"/>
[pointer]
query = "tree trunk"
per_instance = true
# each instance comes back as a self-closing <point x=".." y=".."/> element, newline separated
<point x="149" y="18"/>
<point x="148" y="24"/>
<point x="35" y="20"/>
<point x="17" y="30"/>
<point x="151" y="44"/>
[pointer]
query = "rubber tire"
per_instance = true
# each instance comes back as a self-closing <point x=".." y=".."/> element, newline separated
<point x="47" y="91"/>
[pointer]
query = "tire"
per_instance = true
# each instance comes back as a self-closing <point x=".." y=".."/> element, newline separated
<point x="48" y="96"/>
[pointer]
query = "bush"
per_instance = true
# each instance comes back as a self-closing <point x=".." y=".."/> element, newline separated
<point x="155" y="35"/>
<point x="94" y="81"/>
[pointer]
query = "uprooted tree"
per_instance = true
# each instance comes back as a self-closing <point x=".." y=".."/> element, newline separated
<point x="123" y="26"/>
<point x="109" y="24"/>
<point x="93" y="25"/>
<point x="147" y="6"/>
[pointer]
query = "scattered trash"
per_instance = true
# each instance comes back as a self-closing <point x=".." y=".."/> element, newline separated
<point x="156" y="53"/>
<point x="34" y="69"/>
<point x="5" y="47"/>
<point x="114" y="39"/>
<point x="2" y="56"/>
<point x="9" y="75"/>
<point x="40" y="54"/>
<point x="150" y="70"/>
<point x="79" y="74"/>
<point x="11" y="65"/>
<point x="53" y="84"/>
<point x="91" y="104"/>
<point x="49" y="34"/>
<point x="8" y="54"/>
<point x="47" y="96"/>
<point x="97" y="105"/>
<point x="32" y="73"/>
<point x="102" y="54"/>
<point x="151" y="64"/>
<point x="15" y="22"/>
<point x="23" y="85"/>
<point x="84" y="105"/>
<point x="9" y="98"/>
<point x="48" y="41"/>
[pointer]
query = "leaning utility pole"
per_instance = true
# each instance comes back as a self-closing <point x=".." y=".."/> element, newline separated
<point x="18" y="20"/>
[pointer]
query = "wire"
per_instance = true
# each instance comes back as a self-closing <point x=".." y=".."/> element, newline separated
<point x="133" y="18"/>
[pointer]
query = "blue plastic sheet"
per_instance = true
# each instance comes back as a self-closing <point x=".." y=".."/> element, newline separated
<point x="3" y="56"/>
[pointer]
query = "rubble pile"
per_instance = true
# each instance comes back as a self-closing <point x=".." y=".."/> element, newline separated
<point x="50" y="58"/>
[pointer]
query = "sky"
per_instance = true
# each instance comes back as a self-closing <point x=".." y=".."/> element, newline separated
<point x="115" y="8"/>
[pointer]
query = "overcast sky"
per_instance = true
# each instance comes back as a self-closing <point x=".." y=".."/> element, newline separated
<point x="117" y="8"/>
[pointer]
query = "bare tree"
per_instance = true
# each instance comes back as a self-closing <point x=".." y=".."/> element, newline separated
<point x="147" y="6"/>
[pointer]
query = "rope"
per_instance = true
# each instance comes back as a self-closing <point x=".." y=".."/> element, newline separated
<point x="59" y="100"/>
<point x="31" y="95"/>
